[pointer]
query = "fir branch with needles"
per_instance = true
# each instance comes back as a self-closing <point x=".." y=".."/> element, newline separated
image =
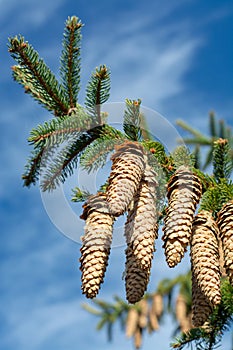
<point x="94" y="156"/>
<point x="97" y="92"/>
<point x="132" y="120"/>
<point x="70" y="60"/>
<point x="36" y="77"/>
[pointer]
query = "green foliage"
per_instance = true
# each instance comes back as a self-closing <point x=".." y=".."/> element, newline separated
<point x="217" y="129"/>
<point x="80" y="195"/>
<point x="97" y="92"/>
<point x="132" y="120"/>
<point x="109" y="313"/>
<point x="222" y="162"/>
<point x="36" y="78"/>
<point x="94" y="156"/>
<point x="70" y="61"/>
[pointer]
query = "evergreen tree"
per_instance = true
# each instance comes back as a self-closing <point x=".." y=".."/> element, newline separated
<point x="203" y="306"/>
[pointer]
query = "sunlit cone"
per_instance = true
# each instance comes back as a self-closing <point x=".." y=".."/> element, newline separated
<point x="201" y="309"/>
<point x="205" y="256"/>
<point x="141" y="228"/>
<point x="181" y="308"/>
<point x="225" y="224"/>
<point x="184" y="192"/>
<point x="143" y="314"/>
<point x="128" y="165"/>
<point x="96" y="243"/>
<point x="136" y="278"/>
<point x="138" y="338"/>
<point x="131" y="322"/>
<point x="157" y="304"/>
<point x="153" y="321"/>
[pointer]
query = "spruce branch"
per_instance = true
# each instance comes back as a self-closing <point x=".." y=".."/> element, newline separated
<point x="56" y="131"/>
<point x="94" y="156"/>
<point x="70" y="60"/>
<point x="132" y="120"/>
<point x="59" y="167"/>
<point x="32" y="168"/>
<point x="222" y="162"/>
<point x="80" y="195"/>
<point x="97" y="92"/>
<point x="35" y="76"/>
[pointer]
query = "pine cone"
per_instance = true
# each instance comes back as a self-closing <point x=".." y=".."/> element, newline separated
<point x="157" y="304"/>
<point x="183" y="192"/>
<point x="96" y="243"/>
<point x="181" y="309"/>
<point x="205" y="256"/>
<point x="126" y="173"/>
<point x="141" y="228"/>
<point x="131" y="322"/>
<point x="225" y="224"/>
<point x="136" y="278"/>
<point x="201" y="309"/>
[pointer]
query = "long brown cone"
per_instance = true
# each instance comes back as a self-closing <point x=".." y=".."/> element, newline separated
<point x="205" y="256"/>
<point x="201" y="309"/>
<point x="136" y="278"/>
<point x="225" y="224"/>
<point x="126" y="173"/>
<point x="141" y="228"/>
<point x="96" y="244"/>
<point x="183" y="191"/>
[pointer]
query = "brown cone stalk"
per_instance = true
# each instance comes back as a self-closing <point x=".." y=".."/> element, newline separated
<point x="183" y="191"/>
<point x="96" y="243"/>
<point x="201" y="309"/>
<point x="128" y="165"/>
<point x="205" y="256"/>
<point x="141" y="228"/>
<point x="225" y="224"/>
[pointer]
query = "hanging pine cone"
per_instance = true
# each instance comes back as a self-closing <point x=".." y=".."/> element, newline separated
<point x="141" y="228"/>
<point x="96" y="243"/>
<point x="131" y="322"/>
<point x="225" y="224"/>
<point x="182" y="314"/>
<point x="183" y="191"/>
<point x="126" y="173"/>
<point x="201" y="309"/>
<point x="205" y="256"/>
<point x="136" y="278"/>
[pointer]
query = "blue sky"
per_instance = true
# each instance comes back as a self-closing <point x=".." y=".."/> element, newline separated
<point x="177" y="57"/>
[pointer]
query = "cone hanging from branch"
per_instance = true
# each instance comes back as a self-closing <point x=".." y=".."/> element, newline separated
<point x="201" y="309"/>
<point x="225" y="224"/>
<point x="183" y="191"/>
<point x="136" y="278"/>
<point x="205" y="256"/>
<point x="96" y="243"/>
<point x="141" y="228"/>
<point x="128" y="165"/>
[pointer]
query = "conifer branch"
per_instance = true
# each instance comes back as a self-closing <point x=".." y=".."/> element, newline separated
<point x="94" y="156"/>
<point x="62" y="165"/>
<point x="57" y="130"/>
<point x="70" y="60"/>
<point x="32" y="168"/>
<point x="36" y="78"/>
<point x="132" y="120"/>
<point x="97" y="92"/>
<point x="222" y="162"/>
<point x="80" y="195"/>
